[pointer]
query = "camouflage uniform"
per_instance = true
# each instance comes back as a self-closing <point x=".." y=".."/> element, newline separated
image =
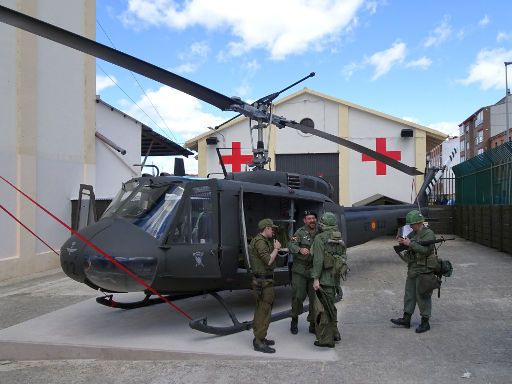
<point x="323" y="270"/>
<point x="421" y="259"/>
<point x="302" y="283"/>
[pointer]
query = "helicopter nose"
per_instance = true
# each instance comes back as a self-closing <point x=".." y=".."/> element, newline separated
<point x="130" y="246"/>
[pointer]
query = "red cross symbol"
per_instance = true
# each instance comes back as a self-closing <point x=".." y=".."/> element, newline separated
<point x="236" y="159"/>
<point x="381" y="148"/>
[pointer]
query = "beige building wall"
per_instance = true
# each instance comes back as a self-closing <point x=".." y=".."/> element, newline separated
<point x="47" y="119"/>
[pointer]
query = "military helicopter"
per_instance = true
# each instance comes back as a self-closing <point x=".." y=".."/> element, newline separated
<point x="184" y="236"/>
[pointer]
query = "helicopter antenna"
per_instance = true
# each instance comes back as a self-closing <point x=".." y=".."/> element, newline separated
<point x="268" y="98"/>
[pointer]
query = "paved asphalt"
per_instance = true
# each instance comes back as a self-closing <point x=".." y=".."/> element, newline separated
<point x="470" y="340"/>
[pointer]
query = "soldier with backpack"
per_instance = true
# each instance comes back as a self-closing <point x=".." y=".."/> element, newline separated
<point x="422" y="263"/>
<point x="329" y="263"/>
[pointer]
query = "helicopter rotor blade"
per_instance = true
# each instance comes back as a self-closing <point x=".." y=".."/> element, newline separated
<point x="93" y="48"/>
<point x="351" y="145"/>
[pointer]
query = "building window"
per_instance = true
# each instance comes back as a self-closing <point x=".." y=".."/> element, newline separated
<point x="308" y="123"/>
<point x="466" y="127"/>
<point x="479" y="137"/>
<point x="467" y="145"/>
<point x="480" y="151"/>
<point x="462" y="145"/>
<point x="479" y="118"/>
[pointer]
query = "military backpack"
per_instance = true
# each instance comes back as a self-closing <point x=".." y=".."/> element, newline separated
<point x="335" y="255"/>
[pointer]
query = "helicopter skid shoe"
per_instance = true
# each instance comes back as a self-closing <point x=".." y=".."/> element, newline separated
<point x="201" y="324"/>
<point x="109" y="301"/>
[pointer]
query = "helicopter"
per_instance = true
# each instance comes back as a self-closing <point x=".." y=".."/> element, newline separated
<point x="184" y="236"/>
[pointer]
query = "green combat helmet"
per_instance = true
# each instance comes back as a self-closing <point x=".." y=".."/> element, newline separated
<point x="414" y="217"/>
<point x="328" y="219"/>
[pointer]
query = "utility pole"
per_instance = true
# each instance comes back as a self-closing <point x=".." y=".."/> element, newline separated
<point x="507" y="128"/>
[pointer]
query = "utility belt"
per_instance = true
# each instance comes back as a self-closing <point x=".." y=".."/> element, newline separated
<point x="265" y="276"/>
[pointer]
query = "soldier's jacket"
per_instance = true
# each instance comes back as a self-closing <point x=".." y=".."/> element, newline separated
<point x="301" y="239"/>
<point x="318" y="250"/>
<point x="420" y="259"/>
<point x="260" y="249"/>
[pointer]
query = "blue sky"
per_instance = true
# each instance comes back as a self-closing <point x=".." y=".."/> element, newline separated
<point x="432" y="62"/>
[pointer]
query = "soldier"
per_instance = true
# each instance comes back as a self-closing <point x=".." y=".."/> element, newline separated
<point x="302" y="283"/>
<point x="329" y="262"/>
<point x="263" y="252"/>
<point x="420" y="260"/>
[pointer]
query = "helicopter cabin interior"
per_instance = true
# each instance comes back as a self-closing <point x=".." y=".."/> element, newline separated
<point x="287" y="213"/>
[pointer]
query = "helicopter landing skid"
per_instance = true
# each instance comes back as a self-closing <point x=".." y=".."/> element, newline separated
<point x="202" y="323"/>
<point x="108" y="301"/>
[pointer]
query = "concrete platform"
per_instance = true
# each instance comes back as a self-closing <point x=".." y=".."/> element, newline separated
<point x="89" y="330"/>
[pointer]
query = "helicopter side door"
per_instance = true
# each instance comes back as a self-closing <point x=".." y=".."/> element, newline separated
<point x="194" y="238"/>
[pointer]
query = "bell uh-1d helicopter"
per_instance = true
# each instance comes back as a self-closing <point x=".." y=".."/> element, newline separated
<point x="186" y="236"/>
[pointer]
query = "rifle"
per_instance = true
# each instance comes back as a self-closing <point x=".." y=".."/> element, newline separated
<point x="400" y="247"/>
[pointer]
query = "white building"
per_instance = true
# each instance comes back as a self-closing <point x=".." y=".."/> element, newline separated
<point x="354" y="176"/>
<point x="47" y="118"/>
<point x="49" y="115"/>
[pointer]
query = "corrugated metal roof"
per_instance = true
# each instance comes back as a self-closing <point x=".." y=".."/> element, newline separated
<point x="161" y="146"/>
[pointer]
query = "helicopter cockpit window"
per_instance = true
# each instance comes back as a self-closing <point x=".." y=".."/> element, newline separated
<point x="196" y="224"/>
<point x="126" y="190"/>
<point x="156" y="220"/>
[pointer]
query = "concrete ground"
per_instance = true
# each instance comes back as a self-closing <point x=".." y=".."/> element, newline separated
<point x="51" y="331"/>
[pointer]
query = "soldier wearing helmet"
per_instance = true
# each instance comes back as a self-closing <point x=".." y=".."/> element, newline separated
<point x="420" y="260"/>
<point x="329" y="254"/>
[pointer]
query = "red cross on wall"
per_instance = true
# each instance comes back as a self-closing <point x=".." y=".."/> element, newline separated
<point x="380" y="147"/>
<point x="236" y="159"/>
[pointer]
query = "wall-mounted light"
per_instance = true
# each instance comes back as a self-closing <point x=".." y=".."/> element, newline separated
<point x="212" y="140"/>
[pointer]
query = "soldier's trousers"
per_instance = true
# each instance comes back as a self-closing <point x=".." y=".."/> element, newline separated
<point x="263" y="291"/>
<point x="325" y="326"/>
<point x="302" y="286"/>
<point x="413" y="297"/>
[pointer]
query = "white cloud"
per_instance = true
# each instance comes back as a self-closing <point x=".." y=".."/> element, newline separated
<point x="282" y="27"/>
<point x="185" y="68"/>
<point x="422" y="63"/>
<point x="503" y="36"/>
<point x="193" y="58"/>
<point x="488" y="71"/>
<point x="349" y="69"/>
<point x="439" y="35"/>
<point x="104" y="82"/>
<point x="383" y="61"/>
<point x="182" y="113"/>
<point x="448" y="127"/>
<point x="484" y="21"/>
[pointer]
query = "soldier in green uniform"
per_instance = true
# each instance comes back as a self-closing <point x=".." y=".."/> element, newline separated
<point x="263" y="252"/>
<point x="420" y="260"/>
<point x="329" y="260"/>
<point x="302" y="283"/>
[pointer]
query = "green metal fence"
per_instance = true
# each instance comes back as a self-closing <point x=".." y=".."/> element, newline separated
<point x="486" y="178"/>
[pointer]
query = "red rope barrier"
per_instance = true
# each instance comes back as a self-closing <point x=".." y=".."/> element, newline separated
<point x="28" y="229"/>
<point x="103" y="253"/>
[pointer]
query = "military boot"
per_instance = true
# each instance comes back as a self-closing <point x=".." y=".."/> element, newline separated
<point x="312" y="327"/>
<point x="337" y="335"/>
<point x="424" y="326"/>
<point x="294" y="329"/>
<point x="403" y="321"/>
<point x="268" y="342"/>
<point x="260" y="346"/>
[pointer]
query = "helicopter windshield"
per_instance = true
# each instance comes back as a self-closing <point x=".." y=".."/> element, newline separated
<point x="150" y="207"/>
